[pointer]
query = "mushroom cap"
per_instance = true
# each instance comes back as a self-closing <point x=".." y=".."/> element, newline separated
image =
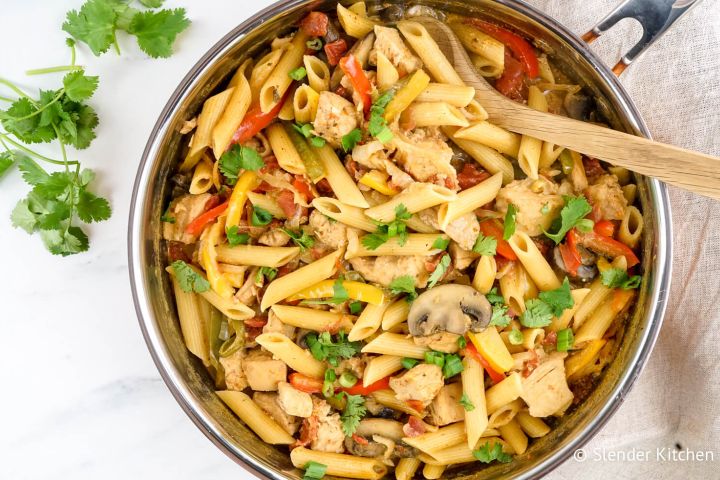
<point x="449" y="308"/>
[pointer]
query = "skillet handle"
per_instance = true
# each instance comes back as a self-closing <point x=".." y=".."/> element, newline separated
<point x="655" y="17"/>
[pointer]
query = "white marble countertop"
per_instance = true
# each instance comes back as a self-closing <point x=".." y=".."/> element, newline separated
<point x="81" y="397"/>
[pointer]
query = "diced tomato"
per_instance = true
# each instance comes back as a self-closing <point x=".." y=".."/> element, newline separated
<point x="605" y="228"/>
<point x="305" y="384"/>
<point x="592" y="167"/>
<point x="286" y="200"/>
<point x="323" y="187"/>
<point x="493" y="228"/>
<point x="471" y="174"/>
<point x="359" y="439"/>
<point x="414" y="427"/>
<point x="256" y="322"/>
<point x="550" y="339"/>
<point x="512" y="81"/>
<point x="431" y="263"/>
<point x="495" y="376"/>
<point x="335" y="50"/>
<point x="271" y="164"/>
<point x="358" y="389"/>
<point x="176" y="251"/>
<point x="315" y="24"/>
<point x="302" y="187"/>
<point x="531" y="364"/>
<point x="571" y="259"/>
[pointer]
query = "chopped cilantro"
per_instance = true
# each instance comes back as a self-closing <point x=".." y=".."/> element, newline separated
<point x="188" y="278"/>
<point x="260" y="217"/>
<point x="267" y="272"/>
<point x="487" y="454"/>
<point x="441" y="243"/>
<point x="300" y="238"/>
<point x="537" y="314"/>
<point x="439" y="271"/>
<point x="355" y="307"/>
<point x="323" y="348"/>
<point x="500" y="317"/>
<point x="559" y="299"/>
<point x="239" y="158"/>
<point x="351" y="139"/>
<point x="485" y="245"/>
<point x="572" y="215"/>
<point x="404" y="284"/>
<point x="235" y="237"/>
<point x="618" y="278"/>
<point x="466" y="403"/>
<point x="353" y="412"/>
<point x="386" y="231"/>
<point x="166" y="217"/>
<point x="377" y="126"/>
<point x="509" y="228"/>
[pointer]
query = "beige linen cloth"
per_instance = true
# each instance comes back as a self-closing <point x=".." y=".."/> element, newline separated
<point x="676" y="400"/>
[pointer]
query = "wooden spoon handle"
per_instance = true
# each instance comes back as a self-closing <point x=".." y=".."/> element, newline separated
<point x="694" y="171"/>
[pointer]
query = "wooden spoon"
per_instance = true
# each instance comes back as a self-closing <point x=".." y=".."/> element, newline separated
<point x="697" y="172"/>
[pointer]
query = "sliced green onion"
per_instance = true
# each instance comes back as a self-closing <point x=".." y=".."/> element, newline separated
<point x="347" y="379"/>
<point x="385" y="135"/>
<point x="314" y="470"/>
<point x="408" y="363"/>
<point x="566" y="161"/>
<point x="328" y="389"/>
<point x="298" y="74"/>
<point x="435" y="358"/>
<point x="453" y="366"/>
<point x="355" y="307"/>
<point x="462" y="343"/>
<point x="565" y="339"/>
<point x="515" y="337"/>
<point x="314" y="44"/>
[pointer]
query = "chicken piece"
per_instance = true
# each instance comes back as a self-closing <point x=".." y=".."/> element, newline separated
<point x="464" y="230"/>
<point x="184" y="210"/>
<point x="294" y="402"/>
<point x="422" y="383"/>
<point x="330" y="436"/>
<point x="531" y="197"/>
<point x="546" y="390"/>
<point x="330" y="232"/>
<point x="445" y="407"/>
<point x="372" y="155"/>
<point x="385" y="269"/>
<point x="262" y="372"/>
<point x="274" y="237"/>
<point x="607" y="195"/>
<point x="442" y="342"/>
<point x="270" y="403"/>
<point x="389" y="43"/>
<point x="461" y="258"/>
<point x="336" y="117"/>
<point x="234" y="375"/>
<point x="426" y="157"/>
<point x="275" y="325"/>
<point x="247" y="293"/>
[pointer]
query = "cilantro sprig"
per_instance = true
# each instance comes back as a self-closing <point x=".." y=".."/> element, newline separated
<point x="404" y="284"/>
<point x="300" y="238"/>
<point x="487" y="454"/>
<point x="97" y="22"/>
<point x="509" y="224"/>
<point x="485" y="245"/>
<point x="377" y="126"/>
<point x="539" y="312"/>
<point x="188" y="278"/>
<point x="323" y="348"/>
<point x="466" y="403"/>
<point x="353" y="412"/>
<point x="439" y="271"/>
<point x="499" y="316"/>
<point x="239" y="158"/>
<point x="571" y="216"/>
<point x="618" y="278"/>
<point x="386" y="231"/>
<point x="57" y="200"/>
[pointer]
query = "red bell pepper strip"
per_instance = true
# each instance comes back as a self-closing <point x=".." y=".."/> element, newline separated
<point x="606" y="228"/>
<point x="609" y="247"/>
<point x="520" y="47"/>
<point x="255" y="120"/>
<point x="570" y="253"/>
<point x="358" y="389"/>
<point x="196" y="226"/>
<point x="305" y="384"/>
<point x="512" y="80"/>
<point x="301" y="185"/>
<point x="352" y="68"/>
<point x="495" y="376"/>
<point x="493" y="228"/>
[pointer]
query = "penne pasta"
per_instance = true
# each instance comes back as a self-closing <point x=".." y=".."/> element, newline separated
<point x="418" y="196"/>
<point x="631" y="227"/>
<point x="357" y="26"/>
<point x="395" y="314"/>
<point x="305" y="104"/>
<point x="236" y="108"/>
<point x="444" y="437"/>
<point x="455" y="95"/>
<point x="503" y="392"/>
<point x="485" y="47"/>
<point x="368" y="322"/>
<point x="531" y="147"/>
<point x="318" y="74"/>
<point x="380" y="367"/>
<point x="340" y="180"/>
<point x="387" y="74"/>
<point x="256" y="255"/>
<point x="429" y="52"/>
<point x="202" y="180"/>
<point x="313" y="319"/>
<point x="414" y="244"/>
<point x="476" y="419"/>
<point x="534" y="262"/>
<point x="559" y="323"/>
<point x="432" y="472"/>
<point x="295" y="281"/>
<point x="433" y="114"/>
<point x="299" y="359"/>
<point x="262" y="71"/>
<point x="395" y="344"/>
<point x="406" y="468"/>
<point x="255" y="418"/>
<point x="266" y="203"/>
<point x="469" y="200"/>
<point x="485" y="271"/>
<point x="490" y="135"/>
<point x="532" y="426"/>
<point x="406" y="95"/>
<point x="285" y="152"/>
<point x="278" y="81"/>
<point x="387" y="398"/>
<point x="212" y="110"/>
<point x="193" y="325"/>
<point x="490" y="159"/>
<point x="344" y="213"/>
<point x="339" y="464"/>
<point x="514" y="436"/>
<point x="597" y="324"/>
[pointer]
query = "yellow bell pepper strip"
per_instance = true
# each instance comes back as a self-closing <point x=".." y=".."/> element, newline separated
<point x="490" y="345"/>
<point x="377" y="180"/>
<point x="245" y="183"/>
<point x="406" y="95"/>
<point x="355" y="290"/>
<point x="577" y="362"/>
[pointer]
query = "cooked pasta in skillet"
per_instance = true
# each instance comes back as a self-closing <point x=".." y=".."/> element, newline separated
<point x="377" y="277"/>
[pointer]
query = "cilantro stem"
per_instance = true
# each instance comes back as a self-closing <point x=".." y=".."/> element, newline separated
<point x="115" y="43"/>
<point x="5" y="99"/>
<point x="15" y="89"/>
<point x="61" y="68"/>
<point x="35" y="154"/>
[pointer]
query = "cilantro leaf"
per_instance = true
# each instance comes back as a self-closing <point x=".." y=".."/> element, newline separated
<point x="23" y="120"/>
<point x="572" y="215"/>
<point x="65" y="242"/>
<point x="404" y="284"/>
<point x="7" y="160"/>
<point x="494" y="297"/>
<point x="267" y="272"/>
<point x="351" y="139"/>
<point x="152" y="3"/>
<point x="322" y="347"/>
<point x="386" y="231"/>
<point x="509" y="228"/>
<point x="22" y="217"/>
<point x="239" y="158"/>
<point x="441" y="243"/>
<point x="84" y="119"/>
<point x="355" y="307"/>
<point x="156" y="31"/>
<point x="485" y="245"/>
<point x="353" y="412"/>
<point x="559" y="299"/>
<point x="188" y="278"/>
<point x="466" y="403"/>
<point x="235" y="237"/>
<point x="618" y="278"/>
<point x="537" y="314"/>
<point x="301" y="238"/>
<point x="94" y="25"/>
<point x="499" y="316"/>
<point x="31" y="172"/>
<point x="260" y="217"/>
<point x="439" y="271"/>
<point x="78" y="86"/>
<point x="91" y="208"/>
<point x="377" y="126"/>
<point x="305" y="129"/>
<point x="317" y="142"/>
<point x="487" y="454"/>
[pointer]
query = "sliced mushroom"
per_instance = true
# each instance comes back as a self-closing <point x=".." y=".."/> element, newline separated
<point x="365" y="448"/>
<point x="379" y="426"/>
<point x="449" y="308"/>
